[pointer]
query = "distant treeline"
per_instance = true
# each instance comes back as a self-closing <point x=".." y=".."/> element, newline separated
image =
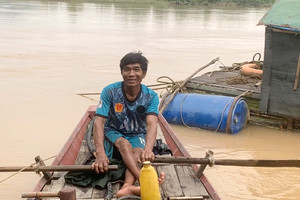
<point x="209" y="3"/>
<point x="257" y="3"/>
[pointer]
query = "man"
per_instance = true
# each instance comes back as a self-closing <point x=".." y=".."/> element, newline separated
<point x="126" y="121"/>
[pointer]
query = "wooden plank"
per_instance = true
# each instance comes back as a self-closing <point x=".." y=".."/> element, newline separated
<point x="160" y="134"/>
<point x="97" y="199"/>
<point x="171" y="186"/>
<point x="240" y="87"/>
<point x="219" y="80"/>
<point x="56" y="185"/>
<point x="83" y="154"/>
<point x="285" y="47"/>
<point x="284" y="105"/>
<point x="277" y="108"/>
<point x="297" y="75"/>
<point x="98" y="194"/>
<point x="219" y="89"/>
<point x="81" y="192"/>
<point x="190" y="184"/>
<point x="115" y="188"/>
<point x="266" y="84"/>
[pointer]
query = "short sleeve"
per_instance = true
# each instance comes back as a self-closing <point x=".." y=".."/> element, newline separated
<point x="104" y="104"/>
<point x="153" y="105"/>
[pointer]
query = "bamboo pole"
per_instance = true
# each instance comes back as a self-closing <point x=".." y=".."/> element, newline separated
<point x="52" y="168"/>
<point x="229" y="162"/>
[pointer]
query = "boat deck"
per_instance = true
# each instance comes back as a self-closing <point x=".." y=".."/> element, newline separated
<point x="180" y="182"/>
<point x="226" y="82"/>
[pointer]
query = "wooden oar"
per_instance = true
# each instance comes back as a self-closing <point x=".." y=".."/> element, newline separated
<point x="52" y="168"/>
<point x="173" y="160"/>
<point x="229" y="162"/>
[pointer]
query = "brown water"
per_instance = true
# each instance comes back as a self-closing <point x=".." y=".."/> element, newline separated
<point x="50" y="51"/>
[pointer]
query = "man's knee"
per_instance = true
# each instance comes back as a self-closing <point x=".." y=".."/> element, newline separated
<point x="123" y="145"/>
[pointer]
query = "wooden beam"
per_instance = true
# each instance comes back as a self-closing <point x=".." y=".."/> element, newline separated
<point x="297" y="75"/>
<point x="229" y="162"/>
<point x="52" y="168"/>
<point x="202" y="167"/>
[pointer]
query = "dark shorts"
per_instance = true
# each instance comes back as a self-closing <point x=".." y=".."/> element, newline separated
<point x="136" y="141"/>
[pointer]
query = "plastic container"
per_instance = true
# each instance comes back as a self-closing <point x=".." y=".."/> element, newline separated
<point x="149" y="182"/>
<point x="207" y="112"/>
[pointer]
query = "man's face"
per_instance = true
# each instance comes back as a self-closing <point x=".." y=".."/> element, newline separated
<point x="132" y="74"/>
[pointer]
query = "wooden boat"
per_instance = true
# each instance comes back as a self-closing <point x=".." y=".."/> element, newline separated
<point x="180" y="182"/>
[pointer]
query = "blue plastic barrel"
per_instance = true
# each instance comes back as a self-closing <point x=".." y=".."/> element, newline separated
<point x="207" y="112"/>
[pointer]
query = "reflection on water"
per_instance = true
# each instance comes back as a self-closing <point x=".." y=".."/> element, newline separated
<point x="52" y="50"/>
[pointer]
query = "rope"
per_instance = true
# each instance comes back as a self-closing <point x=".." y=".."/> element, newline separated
<point x="222" y="115"/>
<point x="237" y="66"/>
<point x="181" y="111"/>
<point x="31" y="165"/>
<point x="228" y="123"/>
<point x="215" y="67"/>
<point x="164" y="105"/>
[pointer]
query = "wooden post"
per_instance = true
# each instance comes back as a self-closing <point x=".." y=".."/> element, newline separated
<point x="39" y="161"/>
<point x="297" y="74"/>
<point x="202" y="167"/>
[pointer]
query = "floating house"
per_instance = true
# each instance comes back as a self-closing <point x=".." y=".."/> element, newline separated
<point x="280" y="90"/>
<point x="274" y="98"/>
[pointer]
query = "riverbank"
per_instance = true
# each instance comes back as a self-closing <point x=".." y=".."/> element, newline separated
<point x="192" y="3"/>
<point x="225" y="3"/>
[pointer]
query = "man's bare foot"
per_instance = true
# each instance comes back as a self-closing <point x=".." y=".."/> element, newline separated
<point x="161" y="178"/>
<point x="128" y="189"/>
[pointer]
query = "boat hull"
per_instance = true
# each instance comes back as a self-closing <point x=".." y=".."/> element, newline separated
<point x="76" y="147"/>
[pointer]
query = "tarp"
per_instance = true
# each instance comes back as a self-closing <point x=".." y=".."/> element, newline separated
<point x="284" y="14"/>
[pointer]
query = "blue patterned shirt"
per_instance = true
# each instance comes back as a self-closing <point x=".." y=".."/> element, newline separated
<point x="124" y="116"/>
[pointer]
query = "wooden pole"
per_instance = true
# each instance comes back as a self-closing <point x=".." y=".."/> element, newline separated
<point x="52" y="168"/>
<point x="297" y="74"/>
<point x="39" y="194"/>
<point x="63" y="194"/>
<point x="39" y="161"/>
<point x="229" y="162"/>
<point x="199" y="173"/>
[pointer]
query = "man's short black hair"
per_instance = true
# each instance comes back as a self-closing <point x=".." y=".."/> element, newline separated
<point x="132" y="58"/>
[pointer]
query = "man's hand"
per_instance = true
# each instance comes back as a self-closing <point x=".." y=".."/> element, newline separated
<point x="147" y="156"/>
<point x="101" y="163"/>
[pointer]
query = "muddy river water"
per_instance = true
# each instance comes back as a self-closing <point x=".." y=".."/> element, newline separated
<point x="52" y="50"/>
